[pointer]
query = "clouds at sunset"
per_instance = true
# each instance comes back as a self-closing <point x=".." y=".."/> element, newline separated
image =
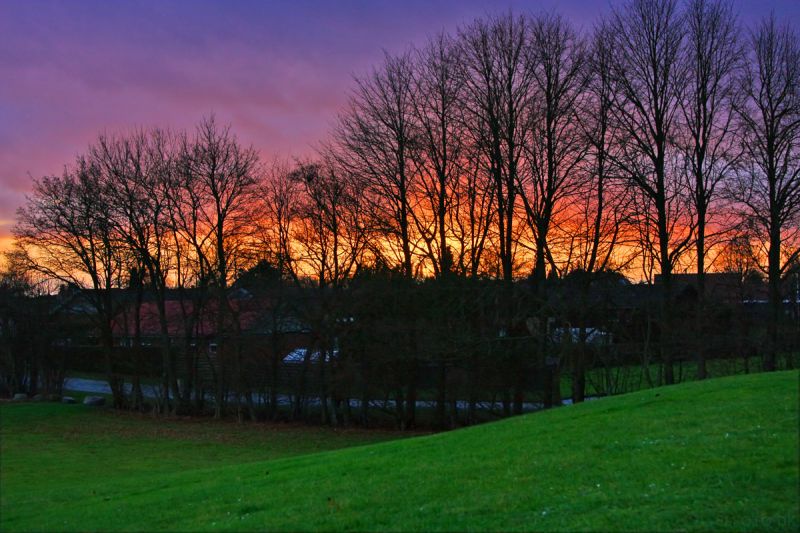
<point x="277" y="71"/>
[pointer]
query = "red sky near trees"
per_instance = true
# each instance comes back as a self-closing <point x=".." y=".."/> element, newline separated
<point x="278" y="72"/>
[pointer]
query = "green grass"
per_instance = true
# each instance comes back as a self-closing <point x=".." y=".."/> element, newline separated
<point x="714" y="455"/>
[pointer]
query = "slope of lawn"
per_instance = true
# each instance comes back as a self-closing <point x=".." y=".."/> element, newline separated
<point x="715" y="455"/>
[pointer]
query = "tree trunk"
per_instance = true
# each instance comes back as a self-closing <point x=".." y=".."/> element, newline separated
<point x="775" y="301"/>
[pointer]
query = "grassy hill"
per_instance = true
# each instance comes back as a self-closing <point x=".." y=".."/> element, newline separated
<point x="714" y="455"/>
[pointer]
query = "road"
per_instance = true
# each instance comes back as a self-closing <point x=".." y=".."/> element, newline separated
<point x="96" y="386"/>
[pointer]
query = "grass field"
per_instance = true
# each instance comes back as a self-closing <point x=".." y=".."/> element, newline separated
<point x="714" y="455"/>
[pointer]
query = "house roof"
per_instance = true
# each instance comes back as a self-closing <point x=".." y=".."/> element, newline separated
<point x="254" y="316"/>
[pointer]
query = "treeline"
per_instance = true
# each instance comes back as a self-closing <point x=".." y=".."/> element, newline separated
<point x="515" y="149"/>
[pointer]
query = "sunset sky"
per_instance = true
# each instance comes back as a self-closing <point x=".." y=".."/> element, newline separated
<point x="276" y="71"/>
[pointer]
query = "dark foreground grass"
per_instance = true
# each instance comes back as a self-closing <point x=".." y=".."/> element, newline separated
<point x="714" y="455"/>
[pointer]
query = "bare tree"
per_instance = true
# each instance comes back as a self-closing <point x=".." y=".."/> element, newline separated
<point x="375" y="140"/>
<point x="600" y="228"/>
<point x="555" y="148"/>
<point x="220" y="178"/>
<point x="331" y="243"/>
<point x="768" y="185"/>
<point x="648" y="39"/>
<point x="140" y="169"/>
<point x="497" y="90"/>
<point x="330" y="228"/>
<point x="437" y="96"/>
<point x="191" y="265"/>
<point x="279" y="197"/>
<point x="497" y="95"/>
<point x="63" y="231"/>
<point x="279" y="201"/>
<point x="553" y="151"/>
<point x="713" y="56"/>
<point x="597" y="231"/>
